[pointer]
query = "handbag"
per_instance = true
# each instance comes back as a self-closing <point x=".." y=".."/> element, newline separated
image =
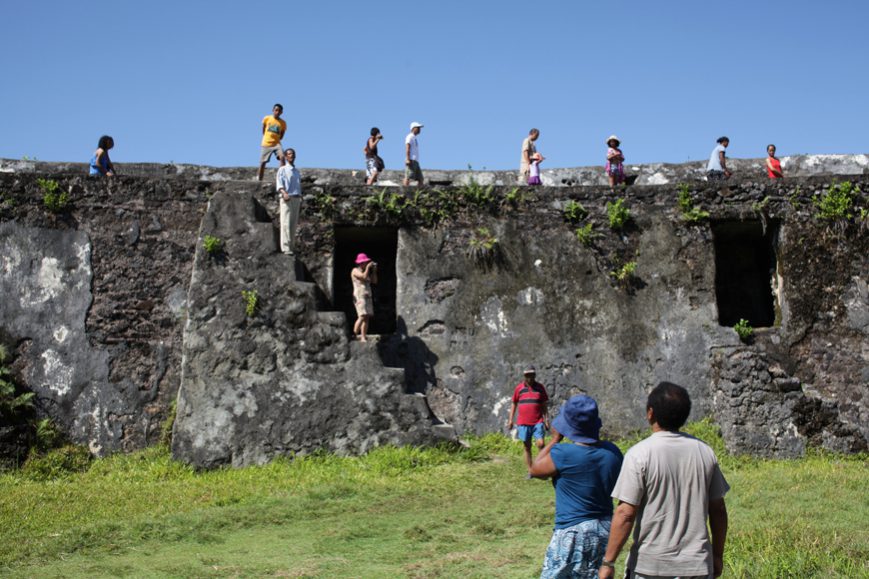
<point x="379" y="164"/>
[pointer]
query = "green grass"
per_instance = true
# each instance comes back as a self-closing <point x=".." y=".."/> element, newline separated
<point x="392" y="513"/>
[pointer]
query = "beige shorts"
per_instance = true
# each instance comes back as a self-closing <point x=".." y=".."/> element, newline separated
<point x="266" y="153"/>
<point x="412" y="172"/>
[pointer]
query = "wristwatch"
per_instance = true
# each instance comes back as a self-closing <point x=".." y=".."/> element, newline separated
<point x="605" y="563"/>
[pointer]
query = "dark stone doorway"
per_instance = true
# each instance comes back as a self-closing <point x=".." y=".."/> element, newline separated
<point x="381" y="245"/>
<point x="745" y="264"/>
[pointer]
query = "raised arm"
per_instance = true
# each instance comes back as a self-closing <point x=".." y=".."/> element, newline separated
<point x="543" y="466"/>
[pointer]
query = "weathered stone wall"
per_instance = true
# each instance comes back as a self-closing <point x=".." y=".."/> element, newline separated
<point x="94" y="302"/>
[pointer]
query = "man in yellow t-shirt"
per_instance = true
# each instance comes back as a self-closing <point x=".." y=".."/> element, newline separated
<point x="274" y="128"/>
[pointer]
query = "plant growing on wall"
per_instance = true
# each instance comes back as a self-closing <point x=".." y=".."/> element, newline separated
<point x="618" y="214"/>
<point x="213" y="245"/>
<point x="11" y="403"/>
<point x="625" y="272"/>
<point x="743" y="329"/>
<point x="251" y="302"/>
<point x="574" y="212"/>
<point x="325" y="203"/>
<point x="837" y="202"/>
<point x="514" y="196"/>
<point x="53" y="200"/>
<point x="475" y="194"/>
<point x="391" y="204"/>
<point x="483" y="246"/>
<point x="585" y="235"/>
<point x="690" y="212"/>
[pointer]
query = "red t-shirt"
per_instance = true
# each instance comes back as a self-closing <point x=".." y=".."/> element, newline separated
<point x="773" y="164"/>
<point x="530" y="401"/>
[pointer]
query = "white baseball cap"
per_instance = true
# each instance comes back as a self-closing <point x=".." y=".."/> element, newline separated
<point x="415" y="124"/>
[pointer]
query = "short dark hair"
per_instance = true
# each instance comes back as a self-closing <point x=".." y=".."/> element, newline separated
<point x="670" y="405"/>
<point x="287" y="150"/>
<point x="770" y="145"/>
<point x="104" y="142"/>
<point x="375" y="131"/>
<point x="279" y="105"/>
<point x="722" y="139"/>
<point x="534" y="132"/>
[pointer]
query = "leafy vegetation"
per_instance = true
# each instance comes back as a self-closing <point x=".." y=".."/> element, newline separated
<point x="690" y="212"/>
<point x="391" y="204"/>
<point x="477" y="195"/>
<point x="574" y="212"/>
<point x="251" y="302"/>
<point x="212" y="245"/>
<point x="743" y="329"/>
<point x="53" y="199"/>
<point x="837" y="202"/>
<point x="395" y="512"/>
<point x="585" y="235"/>
<point x="325" y="202"/>
<point x="618" y="214"/>
<point x="624" y="272"/>
<point x="483" y="246"/>
<point x="11" y="401"/>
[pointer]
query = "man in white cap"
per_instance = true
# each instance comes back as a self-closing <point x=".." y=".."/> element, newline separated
<point x="411" y="152"/>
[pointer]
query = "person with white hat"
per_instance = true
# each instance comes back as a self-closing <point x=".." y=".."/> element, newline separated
<point x="584" y="474"/>
<point x="412" y="169"/>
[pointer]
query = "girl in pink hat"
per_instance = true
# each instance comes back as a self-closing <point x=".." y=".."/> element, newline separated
<point x="615" y="168"/>
<point x="362" y="276"/>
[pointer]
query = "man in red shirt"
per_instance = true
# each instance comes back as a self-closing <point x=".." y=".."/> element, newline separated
<point x="531" y="399"/>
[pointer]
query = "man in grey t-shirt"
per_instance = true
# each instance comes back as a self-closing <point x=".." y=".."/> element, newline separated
<point x="668" y="484"/>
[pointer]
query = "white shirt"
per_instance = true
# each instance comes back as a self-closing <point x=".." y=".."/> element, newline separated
<point x="714" y="162"/>
<point x="290" y="180"/>
<point x="414" y="146"/>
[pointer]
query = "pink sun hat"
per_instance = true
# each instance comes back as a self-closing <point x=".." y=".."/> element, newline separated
<point x="362" y="258"/>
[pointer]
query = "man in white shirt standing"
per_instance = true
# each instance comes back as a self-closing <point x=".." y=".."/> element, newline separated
<point x="289" y="187"/>
<point x="670" y="483"/>
<point x="411" y="154"/>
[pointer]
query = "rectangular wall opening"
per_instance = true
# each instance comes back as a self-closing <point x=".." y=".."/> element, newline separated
<point x="381" y="245"/>
<point x="745" y="269"/>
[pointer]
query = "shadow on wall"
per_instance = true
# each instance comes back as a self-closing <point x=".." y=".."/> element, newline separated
<point x="410" y="353"/>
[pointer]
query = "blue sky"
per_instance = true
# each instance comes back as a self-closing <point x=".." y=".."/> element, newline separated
<point x="189" y="81"/>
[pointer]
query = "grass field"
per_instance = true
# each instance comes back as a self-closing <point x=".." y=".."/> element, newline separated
<point x="393" y="513"/>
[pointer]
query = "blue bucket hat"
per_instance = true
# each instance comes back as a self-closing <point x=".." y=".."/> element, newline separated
<point x="579" y="420"/>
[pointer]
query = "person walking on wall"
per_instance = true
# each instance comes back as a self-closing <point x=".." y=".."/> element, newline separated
<point x="716" y="169"/>
<point x="373" y="163"/>
<point x="529" y="149"/>
<point x="531" y="400"/>
<point x="534" y="175"/>
<point x="100" y="164"/>
<point x="668" y="486"/>
<point x="412" y="169"/>
<point x="274" y="128"/>
<point x="773" y="165"/>
<point x="583" y="476"/>
<point x="615" y="167"/>
<point x="362" y="276"/>
<point x="289" y="187"/>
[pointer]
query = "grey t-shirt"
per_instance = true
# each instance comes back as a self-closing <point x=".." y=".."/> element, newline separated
<point x="714" y="163"/>
<point x="670" y="477"/>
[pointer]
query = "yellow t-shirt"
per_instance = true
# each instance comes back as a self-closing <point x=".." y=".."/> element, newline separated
<point x="274" y="130"/>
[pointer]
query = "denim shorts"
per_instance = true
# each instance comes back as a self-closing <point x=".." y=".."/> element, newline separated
<point x="525" y="433"/>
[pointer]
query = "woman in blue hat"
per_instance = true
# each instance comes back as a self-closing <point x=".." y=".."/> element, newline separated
<point x="583" y="474"/>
